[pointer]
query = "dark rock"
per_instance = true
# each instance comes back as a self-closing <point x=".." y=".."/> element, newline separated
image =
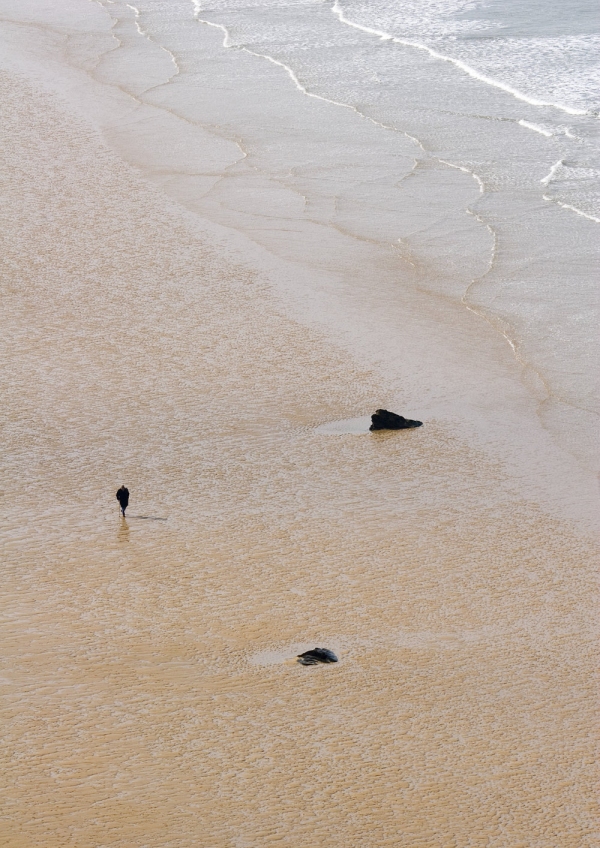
<point x="384" y="420"/>
<point x="317" y="655"/>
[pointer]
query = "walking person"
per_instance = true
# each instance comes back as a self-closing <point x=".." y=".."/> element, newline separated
<point x="123" y="498"/>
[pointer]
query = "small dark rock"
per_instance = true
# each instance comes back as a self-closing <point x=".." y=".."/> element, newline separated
<point x="317" y="655"/>
<point x="384" y="420"/>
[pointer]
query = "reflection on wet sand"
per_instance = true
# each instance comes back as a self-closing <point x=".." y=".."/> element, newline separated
<point x="123" y="534"/>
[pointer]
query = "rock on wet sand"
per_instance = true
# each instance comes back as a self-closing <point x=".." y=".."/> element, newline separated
<point x="317" y="655"/>
<point x="384" y="420"/>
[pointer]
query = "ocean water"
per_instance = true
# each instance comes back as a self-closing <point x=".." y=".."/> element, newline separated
<point x="229" y="233"/>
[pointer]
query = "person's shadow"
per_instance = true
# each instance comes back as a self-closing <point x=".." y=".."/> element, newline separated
<point x="148" y="517"/>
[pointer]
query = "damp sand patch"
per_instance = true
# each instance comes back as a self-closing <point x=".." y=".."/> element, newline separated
<point x="352" y="426"/>
<point x="285" y="656"/>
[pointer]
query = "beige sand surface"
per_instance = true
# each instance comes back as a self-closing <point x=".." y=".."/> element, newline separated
<point x="147" y="694"/>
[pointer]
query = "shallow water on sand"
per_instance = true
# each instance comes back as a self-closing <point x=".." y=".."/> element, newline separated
<point x="147" y="696"/>
<point x="359" y="426"/>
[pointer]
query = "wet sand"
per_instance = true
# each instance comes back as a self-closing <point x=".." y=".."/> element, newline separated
<point x="148" y="693"/>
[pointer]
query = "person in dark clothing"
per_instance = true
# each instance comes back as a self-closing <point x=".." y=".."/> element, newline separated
<point x="123" y="498"/>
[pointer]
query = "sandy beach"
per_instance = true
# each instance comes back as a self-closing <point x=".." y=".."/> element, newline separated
<point x="150" y="695"/>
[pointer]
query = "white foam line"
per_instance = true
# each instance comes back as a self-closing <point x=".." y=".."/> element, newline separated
<point x="536" y="128"/>
<point x="143" y="33"/>
<point x="308" y="93"/>
<point x="385" y="36"/>
<point x="548" y="179"/>
<point x="572" y="209"/>
<point x="299" y="85"/>
<point x="226" y="40"/>
<point x="475" y="176"/>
